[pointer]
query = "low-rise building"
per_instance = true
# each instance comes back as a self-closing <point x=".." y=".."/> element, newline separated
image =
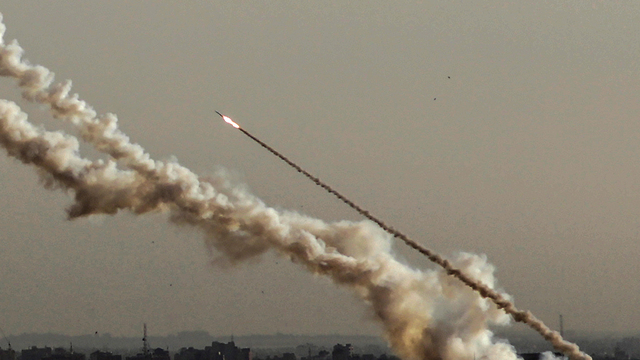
<point x="8" y="354"/>
<point x="104" y="355"/>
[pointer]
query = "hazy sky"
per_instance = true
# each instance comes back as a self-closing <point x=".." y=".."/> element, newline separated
<point x="528" y="153"/>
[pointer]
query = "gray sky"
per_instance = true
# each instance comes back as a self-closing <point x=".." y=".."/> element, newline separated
<point x="528" y="154"/>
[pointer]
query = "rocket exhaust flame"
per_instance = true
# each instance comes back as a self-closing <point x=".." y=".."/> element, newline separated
<point x="425" y="314"/>
<point x="229" y="121"/>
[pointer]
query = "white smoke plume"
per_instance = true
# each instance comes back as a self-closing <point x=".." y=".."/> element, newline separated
<point x="425" y="314"/>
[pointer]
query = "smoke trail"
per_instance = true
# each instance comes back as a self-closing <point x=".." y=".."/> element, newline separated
<point x="526" y="317"/>
<point x="425" y="315"/>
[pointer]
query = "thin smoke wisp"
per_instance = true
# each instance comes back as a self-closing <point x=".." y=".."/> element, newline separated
<point x="425" y="314"/>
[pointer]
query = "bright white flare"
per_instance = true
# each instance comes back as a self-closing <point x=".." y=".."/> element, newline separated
<point x="229" y="121"/>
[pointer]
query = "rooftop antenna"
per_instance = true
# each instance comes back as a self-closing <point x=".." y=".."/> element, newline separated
<point x="145" y="342"/>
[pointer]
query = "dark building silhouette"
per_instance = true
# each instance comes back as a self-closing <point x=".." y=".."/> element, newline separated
<point x="64" y="354"/>
<point x="155" y="354"/>
<point x="217" y="351"/>
<point x="35" y="353"/>
<point x="160" y="354"/>
<point x="8" y="354"/>
<point x="620" y="354"/>
<point x="104" y="355"/>
<point x="342" y="352"/>
<point x="630" y="345"/>
<point x="191" y="354"/>
<point x="228" y="351"/>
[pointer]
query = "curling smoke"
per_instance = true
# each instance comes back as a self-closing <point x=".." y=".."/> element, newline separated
<point x="425" y="314"/>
